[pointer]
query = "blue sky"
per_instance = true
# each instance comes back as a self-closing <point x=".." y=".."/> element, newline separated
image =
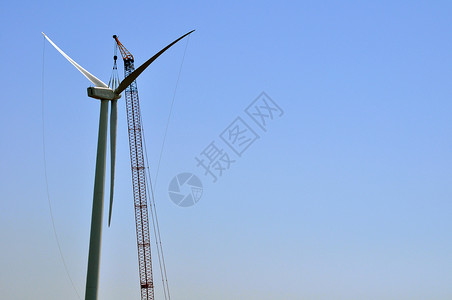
<point x="346" y="196"/>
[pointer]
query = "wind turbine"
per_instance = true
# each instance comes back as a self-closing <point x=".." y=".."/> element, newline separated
<point x="105" y="94"/>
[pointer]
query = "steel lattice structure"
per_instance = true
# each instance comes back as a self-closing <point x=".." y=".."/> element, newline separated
<point x="138" y="165"/>
<point x="139" y="185"/>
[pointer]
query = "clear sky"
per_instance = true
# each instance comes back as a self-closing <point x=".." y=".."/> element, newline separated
<point x="347" y="195"/>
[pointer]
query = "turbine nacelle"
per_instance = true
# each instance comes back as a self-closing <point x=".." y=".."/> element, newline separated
<point x="102" y="93"/>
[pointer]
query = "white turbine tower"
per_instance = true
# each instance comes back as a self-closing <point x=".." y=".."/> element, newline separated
<point x="105" y="94"/>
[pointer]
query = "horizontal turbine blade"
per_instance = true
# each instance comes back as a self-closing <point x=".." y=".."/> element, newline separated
<point x="113" y="126"/>
<point x="129" y="79"/>
<point x="97" y="82"/>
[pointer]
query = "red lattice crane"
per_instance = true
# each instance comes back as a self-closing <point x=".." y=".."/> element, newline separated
<point x="138" y="177"/>
<point x="138" y="167"/>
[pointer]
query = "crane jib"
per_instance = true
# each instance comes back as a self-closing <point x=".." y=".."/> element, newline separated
<point x="129" y="86"/>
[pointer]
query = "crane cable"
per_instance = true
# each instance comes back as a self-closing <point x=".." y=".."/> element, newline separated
<point x="155" y="225"/>
<point x="171" y="110"/>
<point x="114" y="77"/>
<point x="153" y="208"/>
<point x="46" y="178"/>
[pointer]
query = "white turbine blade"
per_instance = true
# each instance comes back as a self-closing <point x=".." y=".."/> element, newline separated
<point x="97" y="82"/>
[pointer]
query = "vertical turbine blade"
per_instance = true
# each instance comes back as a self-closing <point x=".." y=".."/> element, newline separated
<point x="113" y="125"/>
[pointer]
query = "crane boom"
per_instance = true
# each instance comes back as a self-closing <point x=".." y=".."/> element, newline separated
<point x="138" y="177"/>
<point x="129" y="85"/>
